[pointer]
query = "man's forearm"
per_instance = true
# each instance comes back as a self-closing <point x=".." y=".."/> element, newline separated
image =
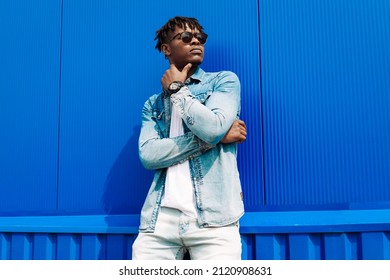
<point x="161" y="153"/>
<point x="212" y="120"/>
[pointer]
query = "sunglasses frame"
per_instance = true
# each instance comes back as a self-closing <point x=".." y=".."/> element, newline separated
<point x="192" y="35"/>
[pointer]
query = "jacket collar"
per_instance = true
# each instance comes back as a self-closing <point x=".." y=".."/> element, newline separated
<point x="198" y="75"/>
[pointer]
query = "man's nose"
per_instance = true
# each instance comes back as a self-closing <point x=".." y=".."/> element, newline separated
<point x="195" y="41"/>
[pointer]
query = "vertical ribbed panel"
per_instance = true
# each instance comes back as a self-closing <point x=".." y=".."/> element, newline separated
<point x="304" y="246"/>
<point x="299" y="235"/>
<point x="343" y="246"/>
<point x="44" y="246"/>
<point x="256" y="246"/>
<point x="21" y="246"/>
<point x="271" y="246"/>
<point x="68" y="246"/>
<point x="29" y="89"/>
<point x="234" y="45"/>
<point x="105" y="76"/>
<point x="371" y="241"/>
<point x="318" y="246"/>
<point x="119" y="246"/>
<point x="325" y="89"/>
<point x="93" y="246"/>
<point x="5" y="246"/>
<point x="245" y="61"/>
<point x="51" y="246"/>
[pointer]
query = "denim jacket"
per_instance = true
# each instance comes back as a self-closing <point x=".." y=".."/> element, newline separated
<point x="208" y="105"/>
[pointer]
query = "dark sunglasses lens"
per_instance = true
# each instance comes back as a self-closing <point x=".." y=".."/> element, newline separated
<point x="202" y="37"/>
<point x="186" y="37"/>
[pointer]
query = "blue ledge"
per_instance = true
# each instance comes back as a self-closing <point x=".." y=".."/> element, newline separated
<point x="251" y="222"/>
<point x="71" y="224"/>
<point x="316" y="221"/>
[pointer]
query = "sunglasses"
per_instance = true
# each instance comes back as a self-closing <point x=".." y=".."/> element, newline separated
<point x="186" y="37"/>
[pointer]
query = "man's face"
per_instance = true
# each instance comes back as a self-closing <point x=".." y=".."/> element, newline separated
<point x="181" y="53"/>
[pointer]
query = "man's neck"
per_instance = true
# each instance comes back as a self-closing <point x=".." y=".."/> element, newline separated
<point x="191" y="71"/>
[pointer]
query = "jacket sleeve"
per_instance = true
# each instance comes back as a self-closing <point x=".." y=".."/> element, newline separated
<point x="157" y="152"/>
<point x="211" y="121"/>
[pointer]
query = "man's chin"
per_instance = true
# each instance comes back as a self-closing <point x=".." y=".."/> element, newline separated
<point x="195" y="63"/>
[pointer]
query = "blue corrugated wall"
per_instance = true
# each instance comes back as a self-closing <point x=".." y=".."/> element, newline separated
<point x="325" y="92"/>
<point x="288" y="235"/>
<point x="315" y="80"/>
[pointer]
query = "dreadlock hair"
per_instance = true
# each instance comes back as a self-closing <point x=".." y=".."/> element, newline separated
<point x="181" y="22"/>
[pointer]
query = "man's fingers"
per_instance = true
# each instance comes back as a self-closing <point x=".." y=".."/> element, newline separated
<point x="239" y="123"/>
<point x="242" y="123"/>
<point x="241" y="126"/>
<point x="174" y="74"/>
<point x="237" y="133"/>
<point x="172" y="66"/>
<point x="186" y="68"/>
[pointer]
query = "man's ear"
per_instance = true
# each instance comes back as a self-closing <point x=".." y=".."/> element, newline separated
<point x="166" y="50"/>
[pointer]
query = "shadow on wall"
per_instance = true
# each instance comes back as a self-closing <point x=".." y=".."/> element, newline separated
<point x="126" y="187"/>
<point x="128" y="181"/>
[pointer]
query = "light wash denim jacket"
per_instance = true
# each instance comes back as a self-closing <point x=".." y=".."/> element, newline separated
<point x="208" y="105"/>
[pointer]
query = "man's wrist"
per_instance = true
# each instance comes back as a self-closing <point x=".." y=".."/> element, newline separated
<point x="175" y="86"/>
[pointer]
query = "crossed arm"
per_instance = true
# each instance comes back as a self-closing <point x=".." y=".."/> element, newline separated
<point x="236" y="133"/>
<point x="210" y="124"/>
<point x="156" y="152"/>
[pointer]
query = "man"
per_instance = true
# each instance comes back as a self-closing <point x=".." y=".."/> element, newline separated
<point x="189" y="136"/>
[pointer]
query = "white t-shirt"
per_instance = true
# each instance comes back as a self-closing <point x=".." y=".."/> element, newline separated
<point x="179" y="192"/>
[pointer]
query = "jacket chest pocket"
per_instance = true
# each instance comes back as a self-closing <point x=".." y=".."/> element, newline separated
<point x="159" y="118"/>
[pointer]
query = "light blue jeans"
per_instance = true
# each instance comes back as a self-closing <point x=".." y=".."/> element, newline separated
<point x="176" y="233"/>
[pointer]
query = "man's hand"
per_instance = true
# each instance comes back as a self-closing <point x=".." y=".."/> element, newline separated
<point x="173" y="74"/>
<point x="236" y="133"/>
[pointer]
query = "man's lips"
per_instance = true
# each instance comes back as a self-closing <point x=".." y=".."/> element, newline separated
<point x="196" y="51"/>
